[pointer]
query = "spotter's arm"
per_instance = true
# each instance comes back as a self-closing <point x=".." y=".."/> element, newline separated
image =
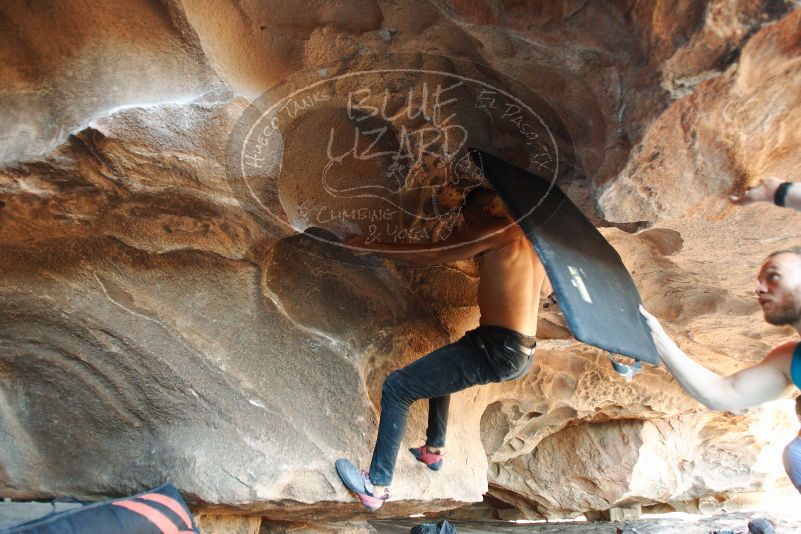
<point x="763" y="382"/>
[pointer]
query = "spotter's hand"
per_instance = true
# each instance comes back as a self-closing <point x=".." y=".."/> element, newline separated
<point x="762" y="192"/>
<point x="664" y="344"/>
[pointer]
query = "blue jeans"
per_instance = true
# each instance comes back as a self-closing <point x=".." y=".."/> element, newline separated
<point x="486" y="354"/>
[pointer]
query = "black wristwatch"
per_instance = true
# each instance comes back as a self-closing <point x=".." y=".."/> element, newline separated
<point x="781" y="193"/>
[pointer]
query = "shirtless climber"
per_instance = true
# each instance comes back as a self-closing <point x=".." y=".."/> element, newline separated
<point x="779" y="294"/>
<point x="500" y="349"/>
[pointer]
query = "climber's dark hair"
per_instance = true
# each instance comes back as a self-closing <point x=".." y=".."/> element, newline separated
<point x="475" y="201"/>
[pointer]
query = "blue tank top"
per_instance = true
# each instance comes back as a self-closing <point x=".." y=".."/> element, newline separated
<point x="795" y="366"/>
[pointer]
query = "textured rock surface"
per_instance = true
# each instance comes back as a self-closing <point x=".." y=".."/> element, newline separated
<point x="734" y="129"/>
<point x="228" y="524"/>
<point x="154" y="326"/>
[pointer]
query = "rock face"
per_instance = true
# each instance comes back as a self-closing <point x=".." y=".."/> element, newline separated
<point x="157" y="322"/>
<point x="719" y="139"/>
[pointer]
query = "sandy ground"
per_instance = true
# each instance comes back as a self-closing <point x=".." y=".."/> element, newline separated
<point x="673" y="523"/>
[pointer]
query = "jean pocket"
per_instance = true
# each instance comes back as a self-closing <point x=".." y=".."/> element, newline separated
<point x="510" y="363"/>
<point x="522" y="368"/>
<point x="474" y="339"/>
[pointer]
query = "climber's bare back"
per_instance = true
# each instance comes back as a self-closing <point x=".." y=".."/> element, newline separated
<point x="511" y="277"/>
<point x="511" y="274"/>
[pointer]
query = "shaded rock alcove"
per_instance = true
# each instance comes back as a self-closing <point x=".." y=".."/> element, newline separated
<point x="157" y="323"/>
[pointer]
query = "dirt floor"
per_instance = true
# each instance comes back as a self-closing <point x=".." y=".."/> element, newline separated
<point x="676" y="523"/>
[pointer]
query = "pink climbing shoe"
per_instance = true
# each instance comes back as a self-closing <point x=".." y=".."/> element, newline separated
<point x="358" y="482"/>
<point x="433" y="460"/>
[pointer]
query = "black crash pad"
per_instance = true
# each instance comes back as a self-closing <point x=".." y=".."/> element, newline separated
<point x="593" y="287"/>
